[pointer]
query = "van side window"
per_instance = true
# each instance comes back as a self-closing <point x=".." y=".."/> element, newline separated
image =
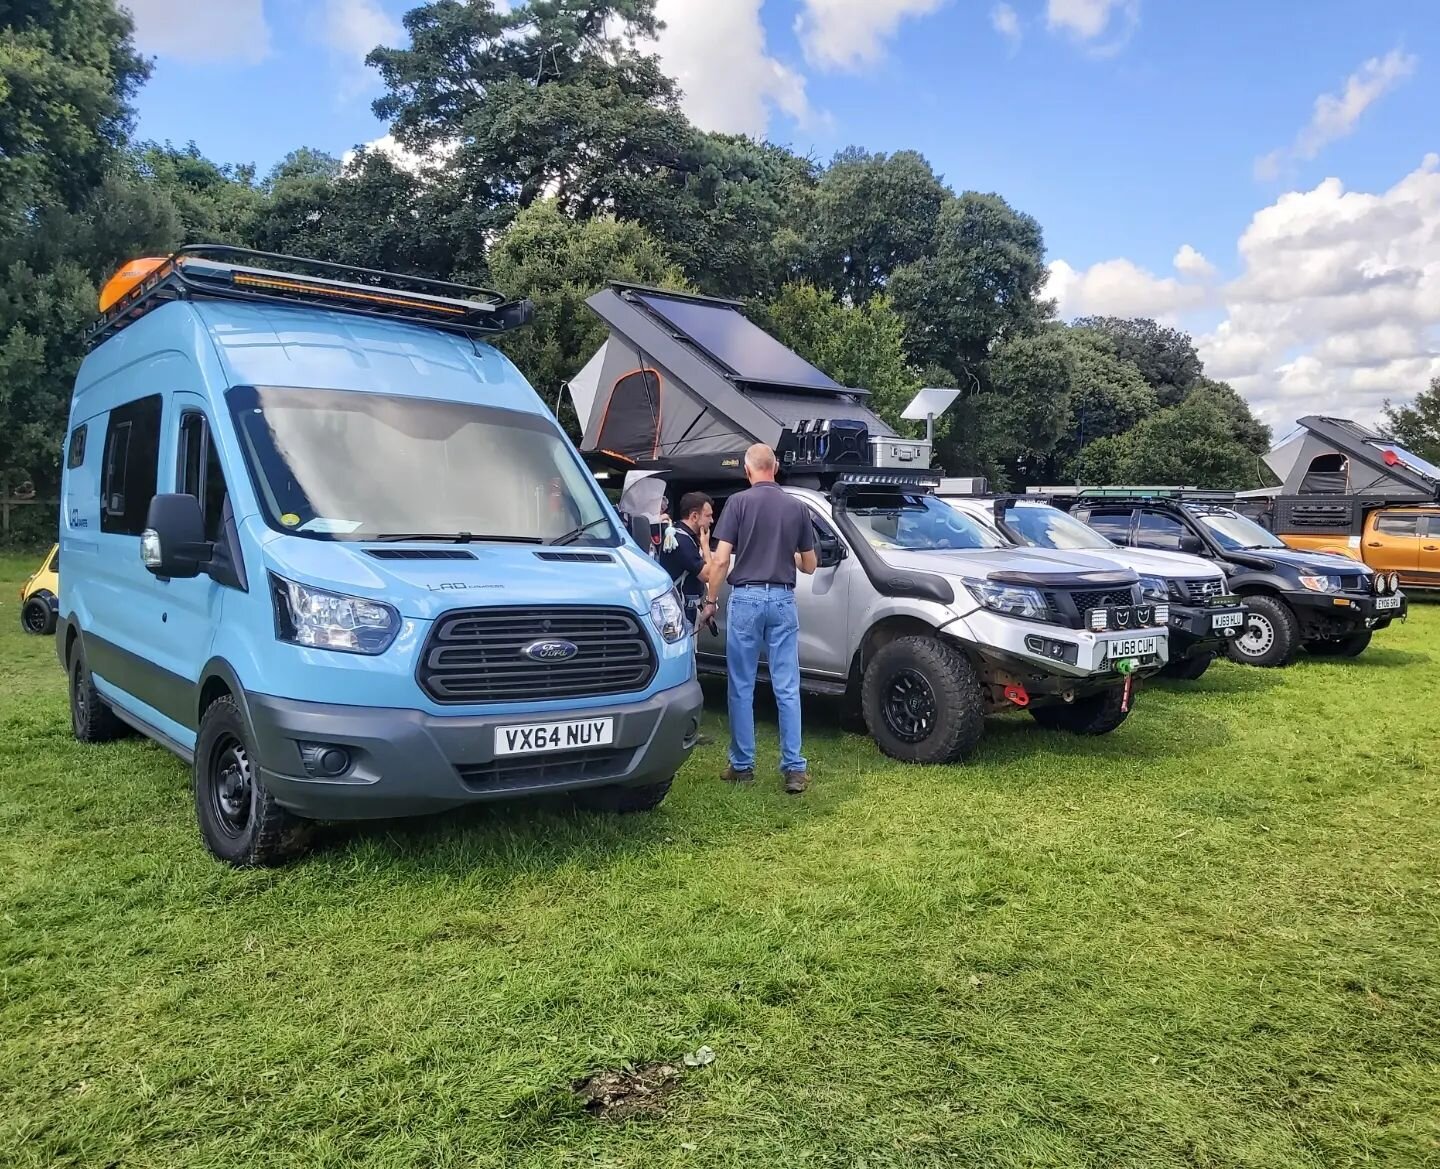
<point x="1398" y="525"/>
<point x="1161" y="531"/>
<point x="132" y="460"/>
<point x="200" y="473"/>
<point x="76" y="457"/>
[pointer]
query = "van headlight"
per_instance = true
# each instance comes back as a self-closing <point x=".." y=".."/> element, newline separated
<point x="1154" y="588"/>
<point x="320" y="620"/>
<point x="1012" y="600"/>
<point x="668" y="615"/>
<point x="1321" y="584"/>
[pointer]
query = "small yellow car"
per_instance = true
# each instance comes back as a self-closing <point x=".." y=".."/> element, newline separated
<point x="40" y="595"/>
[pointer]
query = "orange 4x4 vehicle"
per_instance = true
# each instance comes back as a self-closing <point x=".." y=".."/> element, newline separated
<point x="1392" y="539"/>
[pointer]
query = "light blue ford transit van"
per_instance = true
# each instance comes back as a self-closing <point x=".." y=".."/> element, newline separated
<point x="326" y="544"/>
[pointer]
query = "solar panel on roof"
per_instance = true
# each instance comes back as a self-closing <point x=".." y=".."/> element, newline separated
<point x="746" y="349"/>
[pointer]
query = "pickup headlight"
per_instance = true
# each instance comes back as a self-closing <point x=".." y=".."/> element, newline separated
<point x="1012" y="600"/>
<point x="1154" y="588"/>
<point x="668" y="614"/>
<point x="1321" y="584"/>
<point x="320" y="620"/>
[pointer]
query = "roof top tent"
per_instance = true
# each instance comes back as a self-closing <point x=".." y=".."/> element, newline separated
<point x="684" y="384"/>
<point x="1335" y="456"/>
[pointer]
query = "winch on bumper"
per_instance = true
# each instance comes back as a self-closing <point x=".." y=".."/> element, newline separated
<point x="1055" y="659"/>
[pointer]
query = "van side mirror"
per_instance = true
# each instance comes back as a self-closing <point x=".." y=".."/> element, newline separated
<point x="1191" y="543"/>
<point x="173" y="543"/>
<point x="829" y="552"/>
<point x="641" y="532"/>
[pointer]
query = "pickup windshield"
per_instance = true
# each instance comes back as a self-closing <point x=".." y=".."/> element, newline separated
<point x="347" y="465"/>
<point x="1049" y="527"/>
<point x="1236" y="533"/>
<point x="918" y="523"/>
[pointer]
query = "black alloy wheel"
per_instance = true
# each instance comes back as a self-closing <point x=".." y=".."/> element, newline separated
<point x="909" y="706"/>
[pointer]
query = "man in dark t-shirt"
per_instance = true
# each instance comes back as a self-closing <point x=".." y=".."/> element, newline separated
<point x="770" y="535"/>
<point x="688" y="562"/>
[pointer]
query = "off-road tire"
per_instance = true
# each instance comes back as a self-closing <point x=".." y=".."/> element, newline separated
<point x="1094" y="714"/>
<point x="946" y="718"/>
<point x="1350" y="646"/>
<point x="256" y="832"/>
<point x="37" y="615"/>
<point x="1270" y="630"/>
<point x="91" y="719"/>
<point x="623" y="801"/>
<point x="1187" y="669"/>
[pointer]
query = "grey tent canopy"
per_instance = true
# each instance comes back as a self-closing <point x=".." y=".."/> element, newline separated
<point x="1336" y="456"/>
<point x="685" y="379"/>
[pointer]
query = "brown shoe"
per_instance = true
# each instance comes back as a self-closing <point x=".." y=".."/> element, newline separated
<point x="796" y="781"/>
<point x="730" y="775"/>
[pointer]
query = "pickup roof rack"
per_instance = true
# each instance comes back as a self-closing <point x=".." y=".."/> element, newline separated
<point x="1132" y="493"/>
<point x="225" y="272"/>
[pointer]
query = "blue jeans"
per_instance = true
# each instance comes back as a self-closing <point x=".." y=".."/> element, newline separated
<point x="758" y="618"/>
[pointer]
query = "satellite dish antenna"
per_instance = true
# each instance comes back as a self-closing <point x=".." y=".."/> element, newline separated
<point x="929" y="404"/>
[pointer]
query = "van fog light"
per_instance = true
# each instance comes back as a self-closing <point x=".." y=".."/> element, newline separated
<point x="324" y="759"/>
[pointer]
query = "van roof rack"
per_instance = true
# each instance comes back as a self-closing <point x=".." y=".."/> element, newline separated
<point x="226" y="272"/>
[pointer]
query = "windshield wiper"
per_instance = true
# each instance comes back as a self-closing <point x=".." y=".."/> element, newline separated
<point x="454" y="538"/>
<point x="575" y="533"/>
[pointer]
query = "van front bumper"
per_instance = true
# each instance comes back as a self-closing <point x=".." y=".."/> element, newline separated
<point x="408" y="762"/>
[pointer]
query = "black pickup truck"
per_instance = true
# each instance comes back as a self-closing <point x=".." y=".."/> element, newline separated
<point x="1322" y="602"/>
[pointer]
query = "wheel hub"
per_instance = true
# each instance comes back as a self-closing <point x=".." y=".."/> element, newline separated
<point x="909" y="706"/>
<point x="34" y="618"/>
<point x="1258" y="637"/>
<point x="232" y="787"/>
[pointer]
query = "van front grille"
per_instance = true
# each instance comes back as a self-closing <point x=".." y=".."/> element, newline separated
<point x="479" y="655"/>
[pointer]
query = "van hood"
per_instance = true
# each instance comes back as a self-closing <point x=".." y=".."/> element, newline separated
<point x="494" y="575"/>
<point x="1016" y="566"/>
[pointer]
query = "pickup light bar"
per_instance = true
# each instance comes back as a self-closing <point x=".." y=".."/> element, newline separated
<point x="911" y="480"/>
<point x="1142" y="492"/>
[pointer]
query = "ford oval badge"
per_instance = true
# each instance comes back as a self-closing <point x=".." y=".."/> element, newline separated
<point x="550" y="651"/>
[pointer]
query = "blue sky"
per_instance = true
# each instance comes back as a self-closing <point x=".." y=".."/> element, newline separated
<point x="1273" y="138"/>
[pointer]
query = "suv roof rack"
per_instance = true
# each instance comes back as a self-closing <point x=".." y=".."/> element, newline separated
<point x="854" y="482"/>
<point x="1132" y="491"/>
<point x="226" y="272"/>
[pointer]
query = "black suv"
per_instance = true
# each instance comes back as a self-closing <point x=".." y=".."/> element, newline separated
<point x="1325" y="603"/>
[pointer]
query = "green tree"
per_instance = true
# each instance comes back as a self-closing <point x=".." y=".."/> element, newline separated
<point x="1416" y="426"/>
<point x="871" y="215"/>
<point x="1248" y="430"/>
<point x="859" y="346"/>
<point x="550" y="98"/>
<point x="1027" y="409"/>
<point x="979" y="285"/>
<point x="213" y="203"/>
<point x="558" y="262"/>
<point x="1165" y="357"/>
<point x="1107" y="397"/>
<point x="67" y="71"/>
<point x="1192" y="443"/>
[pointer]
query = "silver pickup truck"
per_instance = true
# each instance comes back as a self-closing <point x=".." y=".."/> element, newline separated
<point x="924" y="620"/>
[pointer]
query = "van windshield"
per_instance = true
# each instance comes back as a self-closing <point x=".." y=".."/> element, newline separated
<point x="349" y="465"/>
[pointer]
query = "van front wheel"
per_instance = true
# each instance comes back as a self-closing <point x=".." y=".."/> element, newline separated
<point x="240" y="822"/>
<point x="91" y="718"/>
<point x="923" y="702"/>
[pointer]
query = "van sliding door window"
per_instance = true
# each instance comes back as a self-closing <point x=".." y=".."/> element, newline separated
<point x="200" y="473"/>
<point x="132" y="460"/>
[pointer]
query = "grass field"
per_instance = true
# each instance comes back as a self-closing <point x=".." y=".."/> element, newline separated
<point x="1211" y="939"/>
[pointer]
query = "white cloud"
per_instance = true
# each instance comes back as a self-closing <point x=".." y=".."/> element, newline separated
<point x="1338" y="304"/>
<point x="1006" y="21"/>
<point x="406" y="160"/>
<point x="1121" y="288"/>
<point x="350" y="29"/>
<point x="1189" y="262"/>
<point x="717" y="53"/>
<point x="848" y="34"/>
<point x="188" y="31"/>
<point x="1336" y="114"/>
<point x="1087" y="21"/>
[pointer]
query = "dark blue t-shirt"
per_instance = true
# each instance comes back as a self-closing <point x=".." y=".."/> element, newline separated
<point x="685" y="561"/>
<point x="766" y="528"/>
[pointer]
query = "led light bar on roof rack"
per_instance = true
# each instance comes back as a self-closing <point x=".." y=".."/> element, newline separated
<point x="1149" y="492"/>
<point x="211" y="271"/>
<point x="910" y="480"/>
